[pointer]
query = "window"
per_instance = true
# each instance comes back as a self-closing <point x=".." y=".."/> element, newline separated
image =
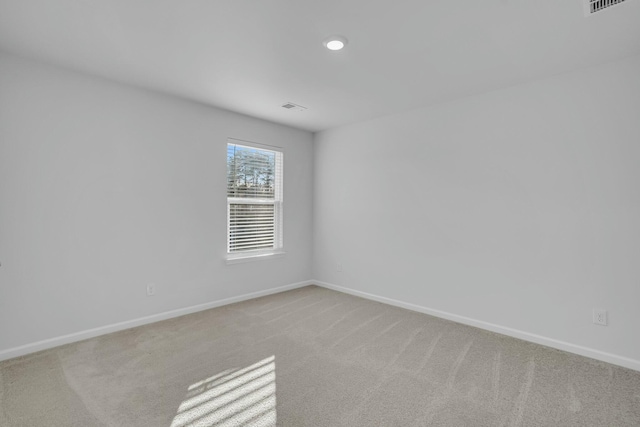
<point x="254" y="199"/>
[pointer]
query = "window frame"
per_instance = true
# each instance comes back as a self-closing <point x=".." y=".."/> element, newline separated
<point x="278" y="201"/>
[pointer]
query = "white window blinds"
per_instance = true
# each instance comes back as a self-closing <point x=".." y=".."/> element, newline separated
<point x="254" y="199"/>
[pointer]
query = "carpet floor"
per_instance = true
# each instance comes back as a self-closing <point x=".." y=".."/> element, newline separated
<point x="313" y="357"/>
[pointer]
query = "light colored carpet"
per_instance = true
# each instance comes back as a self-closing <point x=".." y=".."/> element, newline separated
<point x="313" y="357"/>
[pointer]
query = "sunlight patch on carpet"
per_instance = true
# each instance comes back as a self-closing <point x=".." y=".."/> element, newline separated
<point x="240" y="396"/>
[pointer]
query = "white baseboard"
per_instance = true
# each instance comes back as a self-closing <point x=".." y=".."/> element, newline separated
<point x="526" y="336"/>
<point x="90" y="333"/>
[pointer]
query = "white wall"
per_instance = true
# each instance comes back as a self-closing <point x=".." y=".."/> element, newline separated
<point x="105" y="188"/>
<point x="519" y="207"/>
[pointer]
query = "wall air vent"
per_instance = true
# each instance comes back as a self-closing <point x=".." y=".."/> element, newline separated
<point x="593" y="6"/>
<point x="293" y="107"/>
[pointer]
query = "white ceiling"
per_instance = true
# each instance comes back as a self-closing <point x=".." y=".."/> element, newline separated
<point x="252" y="56"/>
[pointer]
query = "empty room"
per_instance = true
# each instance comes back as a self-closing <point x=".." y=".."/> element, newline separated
<point x="319" y="213"/>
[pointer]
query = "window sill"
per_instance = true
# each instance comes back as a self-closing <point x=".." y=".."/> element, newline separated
<point x="242" y="258"/>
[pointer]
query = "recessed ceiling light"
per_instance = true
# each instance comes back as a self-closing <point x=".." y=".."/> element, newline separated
<point x="335" y="42"/>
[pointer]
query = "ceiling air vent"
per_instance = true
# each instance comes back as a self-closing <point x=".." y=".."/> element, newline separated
<point x="293" y="107"/>
<point x="593" y="6"/>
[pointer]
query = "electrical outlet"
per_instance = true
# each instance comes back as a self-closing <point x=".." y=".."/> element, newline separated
<point x="600" y="316"/>
<point x="151" y="289"/>
<point x="339" y="266"/>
